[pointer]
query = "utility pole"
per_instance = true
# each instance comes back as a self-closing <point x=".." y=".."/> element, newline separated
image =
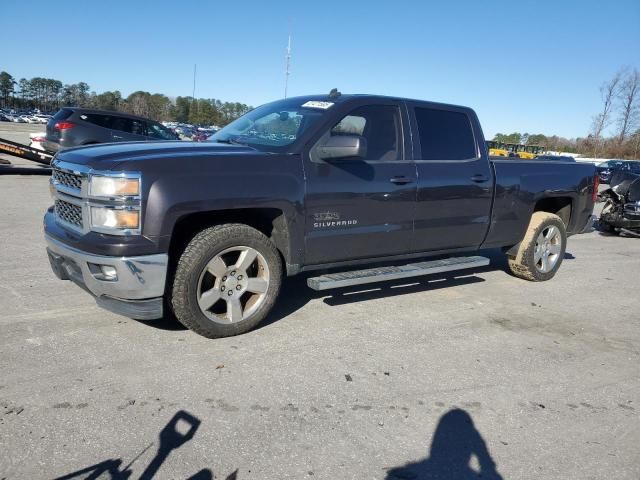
<point x="193" y="94"/>
<point x="287" y="72"/>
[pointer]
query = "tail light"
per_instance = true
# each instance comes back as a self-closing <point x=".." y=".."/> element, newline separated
<point x="64" y="125"/>
<point x="596" y="185"/>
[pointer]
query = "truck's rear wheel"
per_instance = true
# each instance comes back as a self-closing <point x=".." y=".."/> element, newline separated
<point x="226" y="281"/>
<point x="542" y="249"/>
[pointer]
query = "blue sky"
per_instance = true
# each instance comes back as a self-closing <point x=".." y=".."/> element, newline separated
<point x="522" y="65"/>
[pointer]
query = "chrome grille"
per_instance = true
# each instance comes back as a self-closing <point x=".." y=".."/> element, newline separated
<point x="69" y="180"/>
<point x="68" y="212"/>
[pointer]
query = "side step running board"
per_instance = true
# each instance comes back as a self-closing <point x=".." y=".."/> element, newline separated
<point x="372" y="275"/>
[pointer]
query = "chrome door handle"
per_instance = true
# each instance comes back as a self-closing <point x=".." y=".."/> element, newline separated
<point x="400" y="180"/>
<point x="479" y="178"/>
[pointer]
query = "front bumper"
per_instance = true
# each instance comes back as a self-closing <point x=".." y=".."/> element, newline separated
<point x="137" y="290"/>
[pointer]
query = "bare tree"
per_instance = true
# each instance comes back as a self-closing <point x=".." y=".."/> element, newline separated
<point x="636" y="147"/>
<point x="609" y="92"/>
<point x="628" y="101"/>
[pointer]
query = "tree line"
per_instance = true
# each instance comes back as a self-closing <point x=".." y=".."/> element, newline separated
<point x="49" y="95"/>
<point x="615" y="129"/>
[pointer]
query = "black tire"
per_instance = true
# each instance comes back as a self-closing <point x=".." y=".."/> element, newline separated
<point x="523" y="264"/>
<point x="199" y="252"/>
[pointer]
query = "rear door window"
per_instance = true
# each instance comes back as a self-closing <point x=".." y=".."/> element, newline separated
<point x="122" y="124"/>
<point x="104" y="121"/>
<point x="445" y="134"/>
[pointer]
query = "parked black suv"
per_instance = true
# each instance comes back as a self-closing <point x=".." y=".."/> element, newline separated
<point x="72" y="127"/>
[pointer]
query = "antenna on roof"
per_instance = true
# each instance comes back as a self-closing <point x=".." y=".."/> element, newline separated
<point x="334" y="93"/>
<point x="288" y="58"/>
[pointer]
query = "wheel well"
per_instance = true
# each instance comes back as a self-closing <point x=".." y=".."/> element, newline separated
<point x="560" y="206"/>
<point x="269" y="221"/>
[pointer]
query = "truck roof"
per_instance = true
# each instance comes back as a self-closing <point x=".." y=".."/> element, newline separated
<point x="115" y="113"/>
<point x="345" y="97"/>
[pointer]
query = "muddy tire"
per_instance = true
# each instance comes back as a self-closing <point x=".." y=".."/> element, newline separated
<point x="541" y="250"/>
<point x="226" y="281"/>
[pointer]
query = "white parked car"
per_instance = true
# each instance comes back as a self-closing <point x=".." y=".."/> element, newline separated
<point x="36" y="139"/>
<point x="41" y="118"/>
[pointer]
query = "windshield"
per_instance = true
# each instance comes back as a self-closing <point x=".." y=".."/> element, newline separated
<point x="276" y="124"/>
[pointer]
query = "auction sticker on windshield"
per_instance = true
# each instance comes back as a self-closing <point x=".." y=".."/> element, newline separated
<point x="316" y="104"/>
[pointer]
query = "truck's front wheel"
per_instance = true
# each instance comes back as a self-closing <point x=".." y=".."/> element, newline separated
<point x="226" y="281"/>
<point x="542" y="249"/>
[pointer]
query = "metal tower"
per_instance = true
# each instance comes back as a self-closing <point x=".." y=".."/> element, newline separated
<point x="287" y="72"/>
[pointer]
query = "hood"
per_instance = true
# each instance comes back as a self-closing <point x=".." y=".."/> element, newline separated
<point x="108" y="156"/>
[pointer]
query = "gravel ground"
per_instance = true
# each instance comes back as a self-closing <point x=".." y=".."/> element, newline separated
<point x="434" y="378"/>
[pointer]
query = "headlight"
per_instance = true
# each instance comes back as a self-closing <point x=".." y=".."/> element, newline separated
<point x="114" y="220"/>
<point x="114" y="186"/>
<point x="114" y="203"/>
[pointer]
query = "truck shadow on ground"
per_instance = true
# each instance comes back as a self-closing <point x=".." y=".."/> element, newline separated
<point x="455" y="443"/>
<point x="178" y="431"/>
<point x="295" y="293"/>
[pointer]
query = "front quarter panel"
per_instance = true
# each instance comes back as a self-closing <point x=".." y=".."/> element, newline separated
<point x="176" y="187"/>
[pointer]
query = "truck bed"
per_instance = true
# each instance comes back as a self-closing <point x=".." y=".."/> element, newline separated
<point x="521" y="184"/>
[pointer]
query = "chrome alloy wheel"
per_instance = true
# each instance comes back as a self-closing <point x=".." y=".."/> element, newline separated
<point x="233" y="285"/>
<point x="547" y="250"/>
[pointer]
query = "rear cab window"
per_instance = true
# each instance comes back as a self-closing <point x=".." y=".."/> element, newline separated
<point x="445" y="134"/>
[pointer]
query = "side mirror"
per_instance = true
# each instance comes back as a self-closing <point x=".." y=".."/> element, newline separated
<point x="343" y="146"/>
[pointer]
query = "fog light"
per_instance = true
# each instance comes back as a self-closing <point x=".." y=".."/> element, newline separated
<point x="106" y="273"/>
<point x="109" y="272"/>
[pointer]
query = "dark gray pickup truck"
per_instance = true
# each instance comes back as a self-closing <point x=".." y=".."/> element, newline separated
<point x="207" y="231"/>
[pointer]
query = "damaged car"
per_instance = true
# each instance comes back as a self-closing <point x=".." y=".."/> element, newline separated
<point x="621" y="210"/>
